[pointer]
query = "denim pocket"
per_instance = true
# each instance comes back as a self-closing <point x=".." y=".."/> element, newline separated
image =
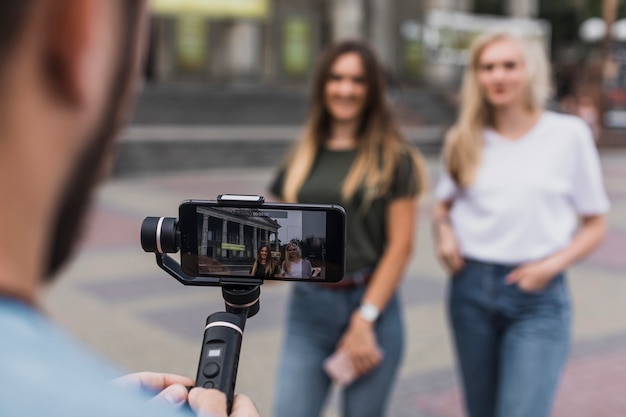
<point x="555" y="286"/>
<point x="552" y="301"/>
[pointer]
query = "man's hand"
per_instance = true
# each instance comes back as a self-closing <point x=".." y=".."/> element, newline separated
<point x="171" y="388"/>
<point x="212" y="403"/>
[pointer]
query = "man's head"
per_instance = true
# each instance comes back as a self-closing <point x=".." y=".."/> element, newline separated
<point x="67" y="71"/>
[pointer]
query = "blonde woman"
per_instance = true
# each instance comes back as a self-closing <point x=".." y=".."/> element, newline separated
<point x="351" y="153"/>
<point x="294" y="266"/>
<point x="520" y="199"/>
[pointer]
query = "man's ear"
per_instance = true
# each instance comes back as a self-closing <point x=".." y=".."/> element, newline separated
<point x="69" y="35"/>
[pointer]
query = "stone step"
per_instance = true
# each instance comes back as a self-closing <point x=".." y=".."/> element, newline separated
<point x="159" y="149"/>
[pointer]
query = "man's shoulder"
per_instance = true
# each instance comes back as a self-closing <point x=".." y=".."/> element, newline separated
<point x="33" y="350"/>
<point x="45" y="371"/>
<point x="30" y="332"/>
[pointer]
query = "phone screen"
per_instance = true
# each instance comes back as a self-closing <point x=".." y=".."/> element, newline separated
<point x="272" y="241"/>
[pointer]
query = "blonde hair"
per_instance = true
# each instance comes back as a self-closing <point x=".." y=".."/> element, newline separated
<point x="380" y="141"/>
<point x="287" y="261"/>
<point x="464" y="141"/>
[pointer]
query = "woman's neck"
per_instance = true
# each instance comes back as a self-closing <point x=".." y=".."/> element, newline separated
<point x="513" y="122"/>
<point x="342" y="136"/>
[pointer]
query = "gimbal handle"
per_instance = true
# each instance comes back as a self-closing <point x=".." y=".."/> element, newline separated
<point x="223" y="334"/>
<point x="219" y="356"/>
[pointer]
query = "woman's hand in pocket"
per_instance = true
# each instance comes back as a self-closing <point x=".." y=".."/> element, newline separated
<point x="534" y="276"/>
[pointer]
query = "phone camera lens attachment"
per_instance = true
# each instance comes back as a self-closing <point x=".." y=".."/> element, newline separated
<point x="159" y="234"/>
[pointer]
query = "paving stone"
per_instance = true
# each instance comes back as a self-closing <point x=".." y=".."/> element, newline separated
<point x="149" y="321"/>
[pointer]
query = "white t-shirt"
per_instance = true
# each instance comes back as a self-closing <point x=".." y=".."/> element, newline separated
<point x="529" y="193"/>
<point x="296" y="270"/>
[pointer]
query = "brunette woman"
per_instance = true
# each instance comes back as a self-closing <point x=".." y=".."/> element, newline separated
<point x="351" y="153"/>
<point x="264" y="266"/>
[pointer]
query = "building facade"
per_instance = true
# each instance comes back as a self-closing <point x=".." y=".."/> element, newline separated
<point x="235" y="233"/>
<point x="254" y="42"/>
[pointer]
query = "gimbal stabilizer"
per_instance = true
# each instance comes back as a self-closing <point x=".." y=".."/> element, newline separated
<point x="223" y="334"/>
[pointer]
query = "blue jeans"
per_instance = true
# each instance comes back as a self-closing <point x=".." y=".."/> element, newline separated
<point x="511" y="345"/>
<point x="318" y="317"/>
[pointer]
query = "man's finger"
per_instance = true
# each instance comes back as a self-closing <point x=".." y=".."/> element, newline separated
<point x="244" y="407"/>
<point x="175" y="395"/>
<point x="207" y="402"/>
<point x="153" y="380"/>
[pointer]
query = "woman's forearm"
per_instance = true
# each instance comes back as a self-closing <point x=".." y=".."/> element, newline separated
<point x="401" y="221"/>
<point x="445" y="239"/>
<point x="588" y="237"/>
<point x="441" y="211"/>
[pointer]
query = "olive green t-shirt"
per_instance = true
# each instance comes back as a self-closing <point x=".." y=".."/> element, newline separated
<point x="366" y="229"/>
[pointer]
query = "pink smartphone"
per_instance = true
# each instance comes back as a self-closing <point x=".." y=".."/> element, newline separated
<point x="339" y="368"/>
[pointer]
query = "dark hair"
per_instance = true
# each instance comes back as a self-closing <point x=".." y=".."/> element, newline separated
<point x="13" y="14"/>
<point x="375" y="103"/>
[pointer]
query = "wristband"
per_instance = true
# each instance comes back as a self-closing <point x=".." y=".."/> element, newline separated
<point x="369" y="312"/>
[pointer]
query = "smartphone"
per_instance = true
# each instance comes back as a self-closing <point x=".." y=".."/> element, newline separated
<point x="339" y="368"/>
<point x="218" y="240"/>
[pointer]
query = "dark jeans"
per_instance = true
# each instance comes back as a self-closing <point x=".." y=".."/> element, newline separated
<point x="511" y="345"/>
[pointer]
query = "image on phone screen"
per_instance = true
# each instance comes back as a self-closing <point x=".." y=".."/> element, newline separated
<point x="269" y="242"/>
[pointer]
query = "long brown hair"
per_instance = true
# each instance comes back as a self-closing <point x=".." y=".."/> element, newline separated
<point x="270" y="265"/>
<point x="464" y="141"/>
<point x="380" y="141"/>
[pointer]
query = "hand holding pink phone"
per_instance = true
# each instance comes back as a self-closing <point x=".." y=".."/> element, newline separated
<point x="340" y="368"/>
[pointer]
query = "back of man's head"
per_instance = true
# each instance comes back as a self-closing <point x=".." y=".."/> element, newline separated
<point x="66" y="75"/>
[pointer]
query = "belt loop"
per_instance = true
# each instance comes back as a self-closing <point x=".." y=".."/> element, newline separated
<point x="359" y="278"/>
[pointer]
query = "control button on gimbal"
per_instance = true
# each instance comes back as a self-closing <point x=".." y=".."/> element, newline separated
<point x="211" y="369"/>
<point x="209" y="384"/>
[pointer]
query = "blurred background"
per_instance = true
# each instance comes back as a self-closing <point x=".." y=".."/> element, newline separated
<point x="225" y="94"/>
<point x="222" y="72"/>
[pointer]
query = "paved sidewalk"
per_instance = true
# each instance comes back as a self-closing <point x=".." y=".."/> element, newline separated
<point x="115" y="298"/>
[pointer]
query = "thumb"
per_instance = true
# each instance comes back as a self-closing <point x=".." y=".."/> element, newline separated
<point x="515" y="275"/>
<point x="175" y="395"/>
<point x="207" y="402"/>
